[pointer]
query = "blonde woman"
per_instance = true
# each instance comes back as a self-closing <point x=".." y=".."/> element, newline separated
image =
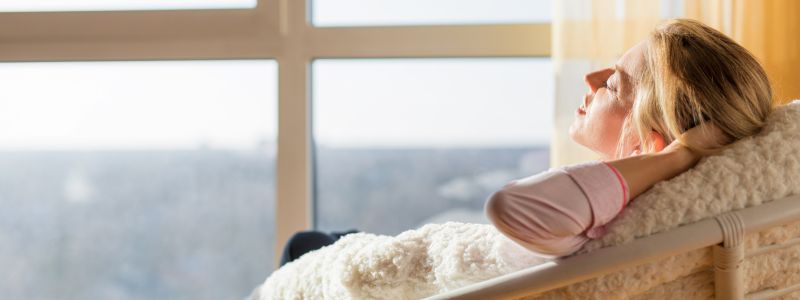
<point x="685" y="92"/>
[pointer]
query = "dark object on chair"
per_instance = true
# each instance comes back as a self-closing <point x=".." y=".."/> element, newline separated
<point x="306" y="241"/>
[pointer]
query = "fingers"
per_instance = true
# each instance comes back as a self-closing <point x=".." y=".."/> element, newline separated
<point x="706" y="139"/>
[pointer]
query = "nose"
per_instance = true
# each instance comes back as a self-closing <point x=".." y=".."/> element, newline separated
<point x="597" y="79"/>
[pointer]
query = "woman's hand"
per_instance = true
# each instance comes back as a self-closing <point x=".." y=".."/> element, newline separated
<point x="698" y="142"/>
<point x="701" y="140"/>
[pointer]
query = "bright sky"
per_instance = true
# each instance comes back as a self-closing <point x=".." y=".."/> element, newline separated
<point x="233" y="104"/>
<point x="433" y="102"/>
<point x="137" y="105"/>
<point x="414" y="12"/>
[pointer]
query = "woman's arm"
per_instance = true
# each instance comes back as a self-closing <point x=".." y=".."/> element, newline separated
<point x="549" y="213"/>
<point x="643" y="171"/>
<point x="556" y="212"/>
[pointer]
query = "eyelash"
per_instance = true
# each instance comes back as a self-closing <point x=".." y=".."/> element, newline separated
<point x="613" y="90"/>
<point x="608" y="87"/>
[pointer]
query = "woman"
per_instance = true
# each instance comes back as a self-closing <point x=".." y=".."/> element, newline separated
<point x="685" y="92"/>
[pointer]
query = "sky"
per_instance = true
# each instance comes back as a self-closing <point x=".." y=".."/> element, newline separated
<point x="233" y="104"/>
<point x="415" y="12"/>
<point x="410" y="103"/>
<point x="137" y="105"/>
<point x="470" y="102"/>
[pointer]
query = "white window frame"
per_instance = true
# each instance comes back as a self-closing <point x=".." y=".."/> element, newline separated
<point x="275" y="29"/>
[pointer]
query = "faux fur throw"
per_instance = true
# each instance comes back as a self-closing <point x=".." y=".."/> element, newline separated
<point x="437" y="258"/>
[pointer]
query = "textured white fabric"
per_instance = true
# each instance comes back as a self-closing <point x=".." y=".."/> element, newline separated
<point x="415" y="264"/>
<point x="437" y="258"/>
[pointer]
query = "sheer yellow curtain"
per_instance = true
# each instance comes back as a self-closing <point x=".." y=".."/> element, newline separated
<point x="770" y="29"/>
<point x="589" y="35"/>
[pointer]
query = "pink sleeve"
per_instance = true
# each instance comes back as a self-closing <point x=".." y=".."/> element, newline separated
<point x="556" y="212"/>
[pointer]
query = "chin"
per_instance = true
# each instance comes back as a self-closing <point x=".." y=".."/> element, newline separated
<point x="576" y="136"/>
<point x="573" y="133"/>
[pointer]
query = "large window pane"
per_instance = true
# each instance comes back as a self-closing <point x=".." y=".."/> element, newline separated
<point x="428" y="12"/>
<point x="109" y="5"/>
<point x="405" y="142"/>
<point x="136" y="180"/>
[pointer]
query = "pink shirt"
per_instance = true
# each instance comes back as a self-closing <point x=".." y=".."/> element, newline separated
<point x="555" y="212"/>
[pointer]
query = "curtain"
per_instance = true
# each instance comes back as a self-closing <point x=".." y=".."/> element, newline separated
<point x="593" y="34"/>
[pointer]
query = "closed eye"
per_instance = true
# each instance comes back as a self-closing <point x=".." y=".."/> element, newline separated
<point x="610" y="87"/>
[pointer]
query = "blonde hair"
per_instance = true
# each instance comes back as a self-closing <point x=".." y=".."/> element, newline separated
<point x="695" y="74"/>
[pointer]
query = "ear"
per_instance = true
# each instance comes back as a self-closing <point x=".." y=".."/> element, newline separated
<point x="658" y="141"/>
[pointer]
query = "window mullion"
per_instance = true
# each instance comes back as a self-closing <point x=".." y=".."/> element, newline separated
<point x="294" y="180"/>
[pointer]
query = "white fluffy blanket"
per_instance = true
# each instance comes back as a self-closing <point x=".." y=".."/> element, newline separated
<point x="438" y="258"/>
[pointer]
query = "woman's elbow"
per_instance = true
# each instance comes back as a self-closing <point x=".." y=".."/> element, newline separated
<point x="501" y="210"/>
<point x="532" y="226"/>
<point x="494" y="206"/>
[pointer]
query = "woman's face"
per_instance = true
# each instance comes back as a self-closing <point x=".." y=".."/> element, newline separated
<point x="598" y="121"/>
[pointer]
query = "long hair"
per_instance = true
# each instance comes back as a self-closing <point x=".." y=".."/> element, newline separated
<point x="695" y="74"/>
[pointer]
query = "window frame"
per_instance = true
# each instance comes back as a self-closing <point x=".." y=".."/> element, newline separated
<point x="133" y="35"/>
<point x="274" y="29"/>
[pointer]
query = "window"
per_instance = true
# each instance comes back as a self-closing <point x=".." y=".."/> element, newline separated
<point x="272" y="32"/>
<point x="406" y="142"/>
<point x="328" y="13"/>
<point x="137" y="180"/>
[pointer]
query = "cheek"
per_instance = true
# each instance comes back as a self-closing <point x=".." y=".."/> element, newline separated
<point x="599" y="130"/>
<point x="606" y="126"/>
<point x="609" y="121"/>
